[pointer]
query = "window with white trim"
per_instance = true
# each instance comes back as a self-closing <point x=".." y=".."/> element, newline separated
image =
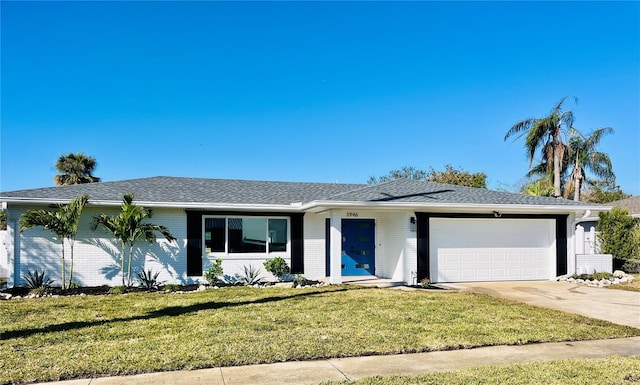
<point x="250" y="235"/>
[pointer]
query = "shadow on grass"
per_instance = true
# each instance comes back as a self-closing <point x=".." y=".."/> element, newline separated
<point x="164" y="312"/>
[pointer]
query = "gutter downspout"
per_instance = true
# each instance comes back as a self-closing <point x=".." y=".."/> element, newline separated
<point x="575" y="222"/>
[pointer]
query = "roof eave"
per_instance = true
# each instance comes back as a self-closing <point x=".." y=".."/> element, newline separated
<point x="294" y="207"/>
<point x="318" y="206"/>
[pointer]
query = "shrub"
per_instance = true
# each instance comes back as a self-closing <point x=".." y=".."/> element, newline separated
<point x="602" y="275"/>
<point x="276" y="266"/>
<point x="214" y="272"/>
<point x="631" y="266"/>
<point x="300" y="280"/>
<point x="39" y="292"/>
<point x="118" y="290"/>
<point x="171" y="287"/>
<point x="618" y="234"/>
<point x="148" y="279"/>
<point x="37" y="280"/>
<point x="250" y="276"/>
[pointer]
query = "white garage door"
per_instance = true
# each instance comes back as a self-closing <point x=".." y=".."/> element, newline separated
<point x="496" y="249"/>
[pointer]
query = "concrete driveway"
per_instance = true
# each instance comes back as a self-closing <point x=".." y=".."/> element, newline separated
<point x="617" y="306"/>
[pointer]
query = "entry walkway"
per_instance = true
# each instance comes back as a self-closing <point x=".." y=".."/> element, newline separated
<point x="315" y="372"/>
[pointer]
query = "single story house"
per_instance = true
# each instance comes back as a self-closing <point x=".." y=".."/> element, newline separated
<point x="403" y="230"/>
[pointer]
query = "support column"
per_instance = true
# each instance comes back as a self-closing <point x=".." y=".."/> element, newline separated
<point x="12" y="244"/>
<point x="335" y="247"/>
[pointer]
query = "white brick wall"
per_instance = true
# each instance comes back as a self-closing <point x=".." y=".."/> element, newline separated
<point x="96" y="254"/>
<point x="594" y="263"/>
<point x="314" y="246"/>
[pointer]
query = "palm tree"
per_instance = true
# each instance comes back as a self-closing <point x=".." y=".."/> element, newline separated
<point x="545" y="134"/>
<point x="127" y="227"/>
<point x="583" y="157"/>
<point x="75" y="168"/>
<point x="63" y="222"/>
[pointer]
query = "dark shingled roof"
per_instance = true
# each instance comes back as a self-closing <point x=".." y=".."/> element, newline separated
<point x="632" y="204"/>
<point x="179" y="190"/>
<point x="191" y="190"/>
<point x="419" y="191"/>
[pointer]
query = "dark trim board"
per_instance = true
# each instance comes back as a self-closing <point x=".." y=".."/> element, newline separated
<point x="194" y="237"/>
<point x="422" y="233"/>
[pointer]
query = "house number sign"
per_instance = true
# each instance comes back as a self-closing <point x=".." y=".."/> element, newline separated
<point x="352" y="214"/>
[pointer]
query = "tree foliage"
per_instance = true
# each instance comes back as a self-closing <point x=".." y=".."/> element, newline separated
<point x="3" y="220"/>
<point x="583" y="158"/>
<point x="128" y="227"/>
<point x="542" y="187"/>
<point x="545" y="135"/>
<point x="75" y="168"/>
<point x="449" y="175"/>
<point x="406" y="172"/>
<point x="618" y="234"/>
<point x="603" y="192"/>
<point x="63" y="222"/>
<point x="459" y="177"/>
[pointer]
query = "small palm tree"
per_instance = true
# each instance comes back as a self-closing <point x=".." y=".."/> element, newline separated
<point x="63" y="222"/>
<point x="583" y="157"/>
<point x="75" y="168"/>
<point x="128" y="227"/>
<point x="545" y="134"/>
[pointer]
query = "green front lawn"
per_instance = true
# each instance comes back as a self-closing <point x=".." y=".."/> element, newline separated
<point x="610" y="371"/>
<point x="68" y="337"/>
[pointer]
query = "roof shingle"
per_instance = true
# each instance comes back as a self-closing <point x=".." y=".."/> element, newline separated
<point x="178" y="190"/>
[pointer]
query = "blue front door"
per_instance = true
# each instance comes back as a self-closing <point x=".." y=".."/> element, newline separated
<point x="358" y="247"/>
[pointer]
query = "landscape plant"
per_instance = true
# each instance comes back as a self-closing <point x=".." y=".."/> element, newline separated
<point x="171" y="287"/>
<point x="250" y="276"/>
<point x="37" y="280"/>
<point x="128" y="227"/>
<point x="213" y="274"/>
<point x="62" y="222"/>
<point x="276" y="266"/>
<point x="618" y="235"/>
<point x="148" y="279"/>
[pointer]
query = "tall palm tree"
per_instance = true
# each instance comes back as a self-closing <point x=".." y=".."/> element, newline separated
<point x="63" y="222"/>
<point x="583" y="157"/>
<point x="75" y="168"/>
<point x="128" y="227"/>
<point x="545" y="134"/>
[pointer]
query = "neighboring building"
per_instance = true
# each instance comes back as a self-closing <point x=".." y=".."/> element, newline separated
<point x="403" y="230"/>
<point x="587" y="249"/>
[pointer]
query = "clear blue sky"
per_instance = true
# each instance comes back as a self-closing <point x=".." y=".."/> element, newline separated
<point x="305" y="91"/>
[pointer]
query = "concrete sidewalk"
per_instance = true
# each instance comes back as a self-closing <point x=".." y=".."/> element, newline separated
<point x="315" y="372"/>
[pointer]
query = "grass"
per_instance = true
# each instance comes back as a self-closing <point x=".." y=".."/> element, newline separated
<point x="609" y="371"/>
<point x="633" y="286"/>
<point x="71" y="337"/>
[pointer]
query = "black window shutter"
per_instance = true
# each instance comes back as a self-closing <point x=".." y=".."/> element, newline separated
<point x="194" y="243"/>
<point x="297" y="244"/>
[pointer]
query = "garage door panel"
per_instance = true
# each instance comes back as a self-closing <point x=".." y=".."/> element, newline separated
<point x="463" y="249"/>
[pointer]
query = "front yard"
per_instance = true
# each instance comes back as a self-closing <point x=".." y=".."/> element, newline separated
<point x="69" y="337"/>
